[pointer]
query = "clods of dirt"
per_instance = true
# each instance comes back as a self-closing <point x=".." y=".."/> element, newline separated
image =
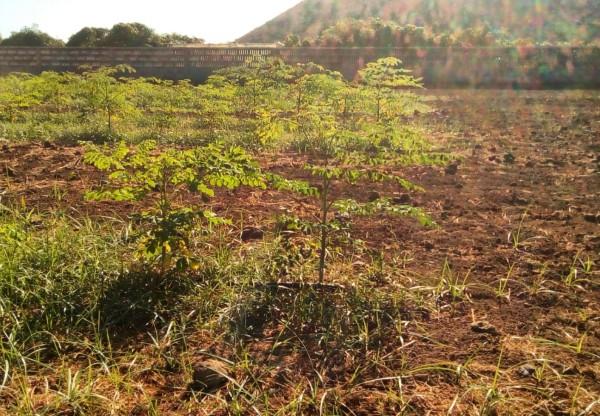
<point x="593" y="218"/>
<point x="526" y="370"/>
<point x="209" y="376"/>
<point x="451" y="169"/>
<point x="373" y="196"/>
<point x="252" y="233"/>
<point x="484" y="327"/>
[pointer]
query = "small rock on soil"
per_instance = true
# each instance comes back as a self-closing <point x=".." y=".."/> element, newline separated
<point x="526" y="370"/>
<point x="252" y="233"/>
<point x="451" y="169"/>
<point x="209" y="376"/>
<point x="373" y="196"/>
<point x="594" y="218"/>
<point x="402" y="199"/>
<point x="483" y="327"/>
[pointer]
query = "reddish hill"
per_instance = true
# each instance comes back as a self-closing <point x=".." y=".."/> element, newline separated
<point x="539" y="20"/>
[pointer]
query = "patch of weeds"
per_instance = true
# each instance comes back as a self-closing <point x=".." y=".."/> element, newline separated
<point x="329" y="314"/>
<point x="501" y="289"/>
<point x="452" y="286"/>
<point x="516" y="237"/>
<point x="539" y="282"/>
<point x="580" y="273"/>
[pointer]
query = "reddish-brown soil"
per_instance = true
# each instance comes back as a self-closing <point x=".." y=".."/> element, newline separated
<point x="529" y="166"/>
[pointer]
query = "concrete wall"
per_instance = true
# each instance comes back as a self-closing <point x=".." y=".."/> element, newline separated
<point x="506" y="67"/>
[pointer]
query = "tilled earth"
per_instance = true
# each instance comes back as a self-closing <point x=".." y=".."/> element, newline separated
<point x="522" y="203"/>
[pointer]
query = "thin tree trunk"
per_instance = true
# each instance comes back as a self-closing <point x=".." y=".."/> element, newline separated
<point x="323" y="248"/>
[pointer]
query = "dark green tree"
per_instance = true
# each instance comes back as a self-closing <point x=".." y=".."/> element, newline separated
<point x="31" y="36"/>
<point x="257" y="82"/>
<point x="130" y="35"/>
<point x="177" y="39"/>
<point x="103" y="93"/>
<point x="292" y="40"/>
<point x="373" y="32"/>
<point x="88" y="37"/>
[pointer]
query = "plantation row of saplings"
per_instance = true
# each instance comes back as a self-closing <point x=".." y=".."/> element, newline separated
<point x="160" y="310"/>
<point x="347" y="130"/>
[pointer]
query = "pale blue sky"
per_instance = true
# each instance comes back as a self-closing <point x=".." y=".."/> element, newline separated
<point x="214" y="20"/>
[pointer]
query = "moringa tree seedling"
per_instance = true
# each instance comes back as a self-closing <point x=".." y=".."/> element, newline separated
<point x="145" y="172"/>
<point x="340" y="153"/>
<point x="102" y="92"/>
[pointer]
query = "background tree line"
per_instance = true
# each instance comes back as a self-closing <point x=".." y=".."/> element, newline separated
<point x="120" y="35"/>
<point x="381" y="33"/>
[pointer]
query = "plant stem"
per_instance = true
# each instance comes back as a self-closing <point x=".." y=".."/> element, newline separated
<point x="324" y="211"/>
<point x="164" y="214"/>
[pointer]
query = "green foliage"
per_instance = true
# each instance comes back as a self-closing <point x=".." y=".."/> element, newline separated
<point x="346" y="145"/>
<point x="16" y="96"/>
<point x="292" y="40"/>
<point x="386" y="73"/>
<point x="256" y="82"/>
<point x="145" y="173"/>
<point x="120" y="35"/>
<point x="52" y="277"/>
<point x="349" y="131"/>
<point x="352" y="207"/>
<point x="314" y="85"/>
<point x="100" y="104"/>
<point x="26" y="97"/>
<point x="178" y="39"/>
<point x="381" y="78"/>
<point x="380" y="33"/>
<point x="102" y="92"/>
<point x="88" y="37"/>
<point x="373" y="32"/>
<point x="127" y="35"/>
<point x="31" y="36"/>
